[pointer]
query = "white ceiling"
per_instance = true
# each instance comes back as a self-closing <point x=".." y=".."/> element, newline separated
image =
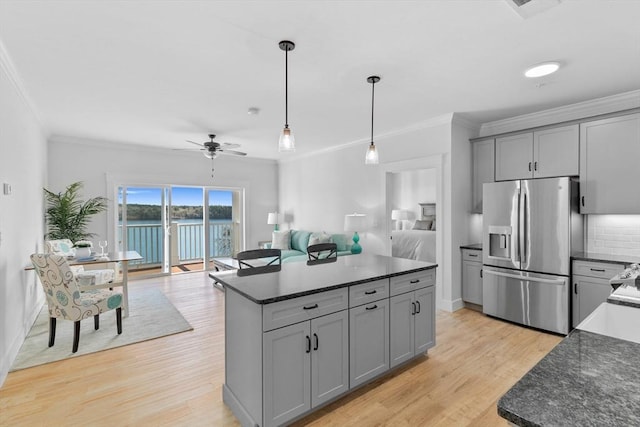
<point x="160" y="72"/>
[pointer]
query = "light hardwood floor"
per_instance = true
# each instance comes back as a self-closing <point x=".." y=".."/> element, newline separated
<point x="176" y="380"/>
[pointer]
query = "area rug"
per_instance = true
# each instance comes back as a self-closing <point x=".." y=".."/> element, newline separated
<point x="152" y="316"/>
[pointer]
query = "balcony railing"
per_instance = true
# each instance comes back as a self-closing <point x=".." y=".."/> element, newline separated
<point x="146" y="239"/>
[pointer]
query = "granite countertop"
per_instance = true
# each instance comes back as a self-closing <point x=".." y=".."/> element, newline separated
<point x="596" y="257"/>
<point x="473" y="246"/>
<point x="297" y="279"/>
<point x="586" y="380"/>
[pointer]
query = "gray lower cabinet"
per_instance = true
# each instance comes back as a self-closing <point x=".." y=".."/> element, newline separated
<point x="369" y="341"/>
<point x="412" y="324"/>
<point x="472" y="276"/>
<point x="305" y="365"/>
<point x="590" y="287"/>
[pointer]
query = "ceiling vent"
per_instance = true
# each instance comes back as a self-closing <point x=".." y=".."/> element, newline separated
<point x="527" y="8"/>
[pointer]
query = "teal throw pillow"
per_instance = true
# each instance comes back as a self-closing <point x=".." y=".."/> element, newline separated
<point x="340" y="240"/>
<point x="300" y="240"/>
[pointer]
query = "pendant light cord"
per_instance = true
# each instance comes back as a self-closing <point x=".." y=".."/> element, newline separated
<point x="286" y="88"/>
<point x="373" y="88"/>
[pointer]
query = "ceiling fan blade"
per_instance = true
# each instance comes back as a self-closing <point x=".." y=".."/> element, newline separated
<point x="188" y="149"/>
<point x="196" y="143"/>
<point x="235" y="153"/>
<point x="229" y="145"/>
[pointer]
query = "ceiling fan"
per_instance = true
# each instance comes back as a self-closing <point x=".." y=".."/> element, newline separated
<point x="212" y="148"/>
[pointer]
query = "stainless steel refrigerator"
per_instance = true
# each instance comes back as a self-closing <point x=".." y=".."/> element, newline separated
<point x="530" y="228"/>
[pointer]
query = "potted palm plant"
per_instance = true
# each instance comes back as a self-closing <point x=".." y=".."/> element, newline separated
<point x="67" y="216"/>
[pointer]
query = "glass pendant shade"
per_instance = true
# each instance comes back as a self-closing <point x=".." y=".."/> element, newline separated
<point x="371" y="157"/>
<point x="287" y="141"/>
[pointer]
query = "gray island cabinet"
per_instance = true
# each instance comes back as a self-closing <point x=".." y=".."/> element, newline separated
<point x="301" y="337"/>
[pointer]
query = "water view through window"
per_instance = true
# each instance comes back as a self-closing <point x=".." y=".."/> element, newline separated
<point x="166" y="225"/>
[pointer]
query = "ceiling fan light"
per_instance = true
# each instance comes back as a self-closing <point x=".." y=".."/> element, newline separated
<point x="541" y="70"/>
<point x="371" y="158"/>
<point x="287" y="141"/>
<point x="210" y="154"/>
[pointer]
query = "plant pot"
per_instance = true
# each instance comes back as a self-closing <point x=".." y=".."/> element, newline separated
<point x="83" y="252"/>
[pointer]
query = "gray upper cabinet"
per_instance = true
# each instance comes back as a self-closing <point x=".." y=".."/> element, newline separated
<point x="540" y="154"/>
<point x="609" y="172"/>
<point x="556" y="152"/>
<point x="514" y="157"/>
<point x="483" y="153"/>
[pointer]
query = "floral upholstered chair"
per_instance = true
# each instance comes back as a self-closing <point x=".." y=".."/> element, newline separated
<point x="64" y="247"/>
<point x="66" y="301"/>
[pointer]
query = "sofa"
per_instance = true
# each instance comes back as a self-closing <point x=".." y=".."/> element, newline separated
<point x="299" y="240"/>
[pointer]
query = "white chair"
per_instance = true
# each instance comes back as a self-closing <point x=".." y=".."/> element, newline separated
<point x="64" y="248"/>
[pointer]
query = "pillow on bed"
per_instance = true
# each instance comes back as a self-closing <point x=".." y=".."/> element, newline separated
<point x="422" y="224"/>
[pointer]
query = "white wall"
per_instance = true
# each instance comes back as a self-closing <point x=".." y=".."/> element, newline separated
<point x="100" y="165"/>
<point x="316" y="192"/>
<point x="23" y="152"/>
<point x="411" y="188"/>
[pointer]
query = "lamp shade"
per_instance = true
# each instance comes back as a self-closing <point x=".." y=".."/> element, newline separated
<point x="355" y="222"/>
<point x="274" y="218"/>
<point x="399" y="214"/>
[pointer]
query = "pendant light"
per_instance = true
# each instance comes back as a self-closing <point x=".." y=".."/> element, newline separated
<point x="287" y="141"/>
<point x="371" y="157"/>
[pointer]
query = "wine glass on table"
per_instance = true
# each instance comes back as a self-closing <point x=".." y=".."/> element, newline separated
<point x="103" y="244"/>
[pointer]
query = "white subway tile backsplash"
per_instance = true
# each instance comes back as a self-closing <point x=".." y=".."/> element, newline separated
<point x="613" y="234"/>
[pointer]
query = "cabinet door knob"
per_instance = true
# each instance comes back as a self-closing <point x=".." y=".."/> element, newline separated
<point x="535" y="166"/>
<point x="481" y="273"/>
<point x="529" y="166"/>
<point x="308" y="344"/>
<point x="413" y="309"/>
<point x="583" y="201"/>
<point x="575" y="288"/>
<point x="418" y="305"/>
<point x="311" y="307"/>
<point x="315" y="347"/>
<point x="370" y="292"/>
<point x="373" y="307"/>
<point x="415" y="281"/>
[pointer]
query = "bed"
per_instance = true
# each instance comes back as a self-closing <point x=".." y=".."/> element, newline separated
<point x="419" y="242"/>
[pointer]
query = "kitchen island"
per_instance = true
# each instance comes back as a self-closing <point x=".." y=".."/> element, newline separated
<point x="301" y="337"/>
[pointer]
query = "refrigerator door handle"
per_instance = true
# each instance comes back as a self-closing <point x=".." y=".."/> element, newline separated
<point x="519" y="277"/>
<point x="525" y="226"/>
<point x="518" y="230"/>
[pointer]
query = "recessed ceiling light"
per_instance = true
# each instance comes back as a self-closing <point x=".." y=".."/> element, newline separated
<point x="543" y="69"/>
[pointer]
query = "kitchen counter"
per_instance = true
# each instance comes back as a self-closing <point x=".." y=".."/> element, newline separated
<point x="349" y="270"/>
<point x="473" y="246"/>
<point x="586" y="380"/>
<point x="596" y="257"/>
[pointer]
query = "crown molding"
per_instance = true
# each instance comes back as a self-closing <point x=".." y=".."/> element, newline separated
<point x="425" y="124"/>
<point x="594" y="107"/>
<point x="132" y="147"/>
<point x="461" y="120"/>
<point x="7" y="66"/>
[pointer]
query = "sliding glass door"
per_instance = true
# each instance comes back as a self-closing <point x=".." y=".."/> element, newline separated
<point x="142" y="227"/>
<point x="168" y="226"/>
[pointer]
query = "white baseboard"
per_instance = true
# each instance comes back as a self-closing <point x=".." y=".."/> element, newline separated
<point x="12" y="352"/>
<point x="450" y="306"/>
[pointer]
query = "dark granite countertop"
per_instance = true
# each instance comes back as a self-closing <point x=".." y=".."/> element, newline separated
<point x="615" y="259"/>
<point x="297" y="279"/>
<point x="473" y="246"/>
<point x="586" y="380"/>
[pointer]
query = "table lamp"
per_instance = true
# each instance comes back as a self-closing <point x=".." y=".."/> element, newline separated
<point x="355" y="222"/>
<point x="274" y="219"/>
<point x="399" y="215"/>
